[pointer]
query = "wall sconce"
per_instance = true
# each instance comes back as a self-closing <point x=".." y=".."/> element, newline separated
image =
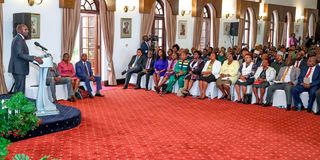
<point x="263" y="16"/>
<point x="32" y="2"/>
<point x="229" y="15"/>
<point x="184" y="12"/>
<point x="300" y="19"/>
<point x="129" y="8"/>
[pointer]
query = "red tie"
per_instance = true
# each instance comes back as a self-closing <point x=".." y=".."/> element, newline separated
<point x="309" y="72"/>
<point x="297" y="65"/>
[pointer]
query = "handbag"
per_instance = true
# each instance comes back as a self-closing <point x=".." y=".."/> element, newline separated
<point x="247" y="98"/>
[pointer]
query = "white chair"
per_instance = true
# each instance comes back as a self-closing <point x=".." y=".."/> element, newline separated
<point x="264" y="97"/>
<point x="92" y="87"/>
<point x="212" y="90"/>
<point x="279" y="99"/>
<point x="61" y="92"/>
<point x="304" y="98"/>
<point x="195" y="90"/>
<point x="133" y="80"/>
<point x="235" y="95"/>
<point x="231" y="92"/>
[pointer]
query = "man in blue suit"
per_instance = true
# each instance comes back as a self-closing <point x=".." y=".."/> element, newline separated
<point x="308" y="81"/>
<point x="145" y="45"/>
<point x="85" y="74"/>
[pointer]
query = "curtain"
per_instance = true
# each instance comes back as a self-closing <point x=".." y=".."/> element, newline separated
<point x="70" y="23"/>
<point x="171" y="23"/>
<point x="254" y="32"/>
<point x="284" y="34"/>
<point x="198" y="23"/>
<point x="216" y="31"/>
<point x="107" y="27"/>
<point x="3" y="87"/>
<point x="266" y="35"/>
<point x="240" y="32"/>
<point x="280" y="32"/>
<point x="147" y="22"/>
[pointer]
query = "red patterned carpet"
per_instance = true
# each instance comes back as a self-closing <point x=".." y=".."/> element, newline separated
<point x="130" y="124"/>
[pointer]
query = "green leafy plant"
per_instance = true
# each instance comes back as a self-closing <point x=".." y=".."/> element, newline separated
<point x="17" y="117"/>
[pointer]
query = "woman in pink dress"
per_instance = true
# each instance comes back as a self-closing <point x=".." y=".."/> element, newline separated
<point x="66" y="69"/>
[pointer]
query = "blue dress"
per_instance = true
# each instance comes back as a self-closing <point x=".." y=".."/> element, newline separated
<point x="161" y="64"/>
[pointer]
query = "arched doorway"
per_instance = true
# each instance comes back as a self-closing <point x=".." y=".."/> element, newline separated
<point x="287" y="29"/>
<point x="250" y="26"/>
<point x="311" y="25"/>
<point x="206" y="28"/>
<point x="274" y="28"/>
<point x="158" y="28"/>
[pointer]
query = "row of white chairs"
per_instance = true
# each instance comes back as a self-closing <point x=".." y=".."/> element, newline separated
<point x="61" y="91"/>
<point x="213" y="92"/>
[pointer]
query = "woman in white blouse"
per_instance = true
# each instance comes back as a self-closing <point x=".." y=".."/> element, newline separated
<point x="210" y="73"/>
<point x="263" y="76"/>
<point x="246" y="78"/>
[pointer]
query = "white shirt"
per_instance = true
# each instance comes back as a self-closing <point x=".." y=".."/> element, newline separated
<point x="216" y="67"/>
<point x="21" y="35"/>
<point x="297" y="62"/>
<point x="311" y="74"/>
<point x="287" y="78"/>
<point x="246" y="70"/>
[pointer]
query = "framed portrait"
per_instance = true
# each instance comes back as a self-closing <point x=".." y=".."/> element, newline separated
<point x="182" y="29"/>
<point x="35" y="26"/>
<point x="126" y="27"/>
<point x="226" y="28"/>
<point x="297" y="29"/>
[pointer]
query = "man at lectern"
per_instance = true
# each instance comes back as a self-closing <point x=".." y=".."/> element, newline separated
<point x="20" y="58"/>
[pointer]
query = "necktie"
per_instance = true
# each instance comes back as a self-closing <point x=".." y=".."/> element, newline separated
<point x="135" y="61"/>
<point x="86" y="68"/>
<point x="309" y="72"/>
<point x="297" y="65"/>
<point x="171" y="64"/>
<point x="148" y="63"/>
<point x="285" y="74"/>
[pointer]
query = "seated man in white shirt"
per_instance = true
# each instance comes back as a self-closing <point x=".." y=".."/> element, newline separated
<point x="286" y="79"/>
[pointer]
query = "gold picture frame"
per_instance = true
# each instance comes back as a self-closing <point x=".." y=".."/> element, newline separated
<point x="182" y="29"/>
<point x="35" y="26"/>
<point x="126" y="28"/>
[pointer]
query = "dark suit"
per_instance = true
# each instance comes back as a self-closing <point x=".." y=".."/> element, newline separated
<point x="257" y="61"/>
<point x="144" y="47"/>
<point x="82" y="74"/>
<point x="19" y="62"/>
<point x="302" y="64"/>
<point x="134" y="67"/>
<point x="298" y="89"/>
<point x="148" y="73"/>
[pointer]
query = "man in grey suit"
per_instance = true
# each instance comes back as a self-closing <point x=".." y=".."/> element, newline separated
<point x="54" y="78"/>
<point x="287" y="78"/>
<point x="20" y="58"/>
<point x="135" y="66"/>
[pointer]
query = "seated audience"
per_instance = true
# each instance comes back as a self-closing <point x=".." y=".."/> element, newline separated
<point x="180" y="71"/>
<point x="204" y="55"/>
<point x="160" y="68"/>
<point x="286" y="79"/>
<point x="175" y="48"/>
<point x="263" y="76"/>
<point x="308" y="81"/>
<point x="54" y="78"/>
<point x="221" y="55"/>
<point x="85" y="74"/>
<point x="300" y="61"/>
<point x="194" y="72"/>
<point x="279" y="62"/>
<point x="210" y="73"/>
<point x="134" y="66"/>
<point x="246" y="78"/>
<point x="147" y="69"/>
<point x="170" y="71"/>
<point x="256" y="58"/>
<point x="228" y="76"/>
<point x="66" y="69"/>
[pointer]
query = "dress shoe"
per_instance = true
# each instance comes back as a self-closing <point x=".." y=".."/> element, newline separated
<point x="99" y="95"/>
<point x="266" y="105"/>
<point x="55" y="101"/>
<point x="90" y="96"/>
<point x="71" y="99"/>
<point x="288" y="108"/>
<point x="137" y="87"/>
<point x="125" y="87"/>
<point x="309" y="110"/>
<point x="123" y="72"/>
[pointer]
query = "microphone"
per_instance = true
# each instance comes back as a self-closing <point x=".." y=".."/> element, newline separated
<point x="39" y="45"/>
